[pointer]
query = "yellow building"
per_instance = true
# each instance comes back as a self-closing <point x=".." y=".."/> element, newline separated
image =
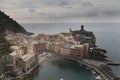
<point x="17" y="49"/>
<point x="56" y="48"/>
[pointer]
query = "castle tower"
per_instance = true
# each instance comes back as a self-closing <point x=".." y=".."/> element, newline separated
<point x="82" y="27"/>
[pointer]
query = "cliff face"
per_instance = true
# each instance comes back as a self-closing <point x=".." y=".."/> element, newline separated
<point x="7" y="23"/>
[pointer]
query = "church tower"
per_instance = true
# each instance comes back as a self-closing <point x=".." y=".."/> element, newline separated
<point x="82" y="27"/>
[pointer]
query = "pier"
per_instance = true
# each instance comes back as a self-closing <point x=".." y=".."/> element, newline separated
<point x="96" y="65"/>
<point x="112" y="63"/>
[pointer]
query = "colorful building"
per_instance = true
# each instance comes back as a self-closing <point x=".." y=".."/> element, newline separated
<point x="18" y="50"/>
<point x="39" y="47"/>
<point x="10" y="61"/>
<point x="75" y="51"/>
<point x="27" y="62"/>
<point x="65" y="49"/>
<point x="84" y="36"/>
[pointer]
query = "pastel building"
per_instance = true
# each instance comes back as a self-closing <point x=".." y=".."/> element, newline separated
<point x="65" y="49"/>
<point x="30" y="48"/>
<point x="75" y="51"/>
<point x="47" y="45"/>
<point x="27" y="61"/>
<point x="24" y="49"/>
<point x="17" y="49"/>
<point x="56" y="48"/>
<point x="39" y="47"/>
<point x="10" y="61"/>
<point x="86" y="48"/>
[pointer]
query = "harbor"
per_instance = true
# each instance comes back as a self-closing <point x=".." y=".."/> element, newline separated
<point x="27" y="52"/>
<point x="42" y="58"/>
<point x="97" y="67"/>
<point x="57" y="68"/>
<point x="59" y="40"/>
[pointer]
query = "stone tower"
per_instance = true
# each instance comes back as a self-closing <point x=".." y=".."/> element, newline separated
<point x="82" y="27"/>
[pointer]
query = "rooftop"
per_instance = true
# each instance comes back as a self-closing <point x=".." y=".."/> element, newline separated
<point x="67" y="46"/>
<point x="78" y="46"/>
<point x="13" y="53"/>
<point x="27" y="57"/>
<point x="15" y="47"/>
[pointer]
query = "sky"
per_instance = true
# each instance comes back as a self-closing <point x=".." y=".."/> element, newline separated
<point x="62" y="11"/>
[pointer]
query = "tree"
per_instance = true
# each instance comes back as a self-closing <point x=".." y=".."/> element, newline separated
<point x="4" y="46"/>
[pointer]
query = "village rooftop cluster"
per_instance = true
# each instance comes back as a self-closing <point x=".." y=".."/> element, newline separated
<point x="27" y="49"/>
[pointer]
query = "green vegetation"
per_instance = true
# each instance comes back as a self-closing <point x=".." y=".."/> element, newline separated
<point x="4" y="46"/>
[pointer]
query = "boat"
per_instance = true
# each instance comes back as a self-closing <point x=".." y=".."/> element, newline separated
<point x="98" y="77"/>
<point x="61" y="79"/>
<point x="81" y="65"/>
<point x="93" y="72"/>
<point x="88" y="68"/>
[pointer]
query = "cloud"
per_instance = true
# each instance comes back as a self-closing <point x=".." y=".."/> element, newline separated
<point x="42" y="13"/>
<point x="72" y="14"/>
<point x="63" y="3"/>
<point x="112" y="12"/>
<point x="31" y="10"/>
<point x="61" y="10"/>
<point x="87" y="4"/>
<point x="58" y="3"/>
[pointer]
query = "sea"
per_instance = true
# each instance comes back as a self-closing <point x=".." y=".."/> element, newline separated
<point x="107" y="37"/>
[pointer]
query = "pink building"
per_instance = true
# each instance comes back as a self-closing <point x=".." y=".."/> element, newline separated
<point x="86" y="48"/>
<point x="75" y="51"/>
<point x="65" y="49"/>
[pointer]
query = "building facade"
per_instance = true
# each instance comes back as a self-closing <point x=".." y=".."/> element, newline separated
<point x="75" y="51"/>
<point x="27" y="62"/>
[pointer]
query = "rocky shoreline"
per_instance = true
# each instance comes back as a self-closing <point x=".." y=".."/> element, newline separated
<point x="108" y="70"/>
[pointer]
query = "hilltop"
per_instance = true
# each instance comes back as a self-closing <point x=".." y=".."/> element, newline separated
<point x="8" y="24"/>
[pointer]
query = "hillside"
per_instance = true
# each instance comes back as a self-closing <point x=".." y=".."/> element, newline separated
<point x="4" y="50"/>
<point x="4" y="46"/>
<point x="7" y="23"/>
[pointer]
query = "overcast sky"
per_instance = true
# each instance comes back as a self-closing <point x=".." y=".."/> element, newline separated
<point x="39" y="11"/>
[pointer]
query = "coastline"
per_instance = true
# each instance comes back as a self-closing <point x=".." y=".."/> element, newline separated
<point x="104" y="75"/>
<point x="98" y="67"/>
<point x="99" y="71"/>
<point x="47" y="57"/>
<point x="23" y="75"/>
